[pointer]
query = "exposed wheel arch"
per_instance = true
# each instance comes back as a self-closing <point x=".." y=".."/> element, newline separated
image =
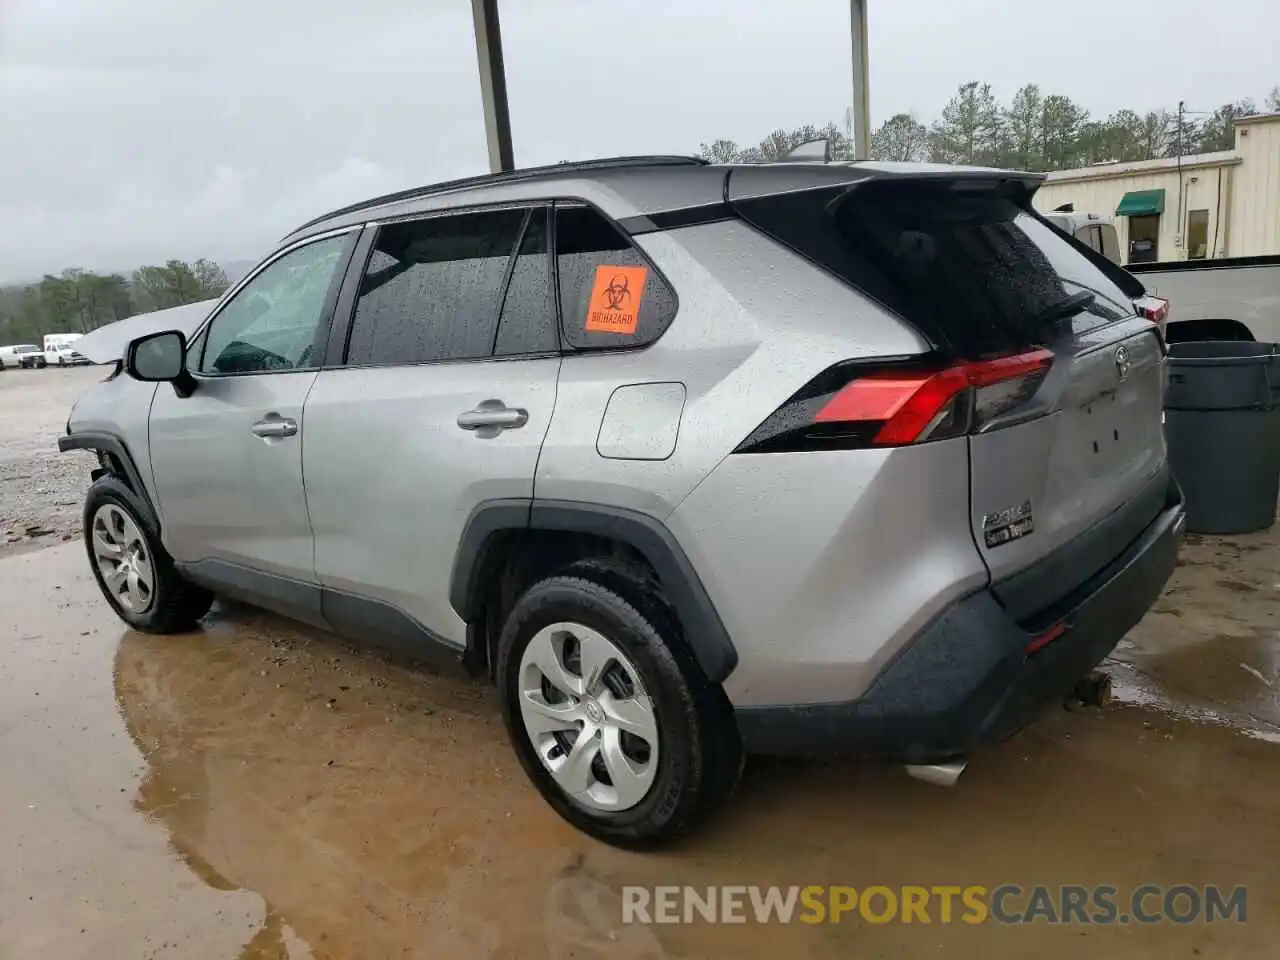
<point x="121" y="459"/>
<point x="498" y="532"/>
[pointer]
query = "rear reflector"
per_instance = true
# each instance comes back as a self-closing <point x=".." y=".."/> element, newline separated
<point x="1046" y="638"/>
<point x="899" y="404"/>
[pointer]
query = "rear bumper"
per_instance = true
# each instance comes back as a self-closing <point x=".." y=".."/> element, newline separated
<point x="967" y="678"/>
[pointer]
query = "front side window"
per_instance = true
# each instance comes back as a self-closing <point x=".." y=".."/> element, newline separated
<point x="609" y="295"/>
<point x="432" y="289"/>
<point x="272" y="322"/>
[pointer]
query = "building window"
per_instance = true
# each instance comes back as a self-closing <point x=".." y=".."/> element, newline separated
<point x="1197" y="234"/>
<point x="1144" y="239"/>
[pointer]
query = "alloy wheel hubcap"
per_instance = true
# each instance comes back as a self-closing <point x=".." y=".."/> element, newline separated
<point x="588" y="716"/>
<point x="123" y="558"/>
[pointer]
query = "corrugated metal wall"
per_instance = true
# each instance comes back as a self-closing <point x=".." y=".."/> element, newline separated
<point x="1245" y="222"/>
<point x="1255" y="212"/>
<point x="1103" y="195"/>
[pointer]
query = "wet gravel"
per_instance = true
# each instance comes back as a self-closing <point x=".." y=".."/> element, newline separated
<point x="41" y="489"/>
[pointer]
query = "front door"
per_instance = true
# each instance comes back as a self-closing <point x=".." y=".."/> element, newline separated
<point x="228" y="458"/>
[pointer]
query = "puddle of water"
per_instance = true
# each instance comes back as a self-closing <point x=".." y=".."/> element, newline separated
<point x="272" y="794"/>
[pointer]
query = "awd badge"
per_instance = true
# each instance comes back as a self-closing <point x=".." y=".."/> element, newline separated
<point x="1008" y="524"/>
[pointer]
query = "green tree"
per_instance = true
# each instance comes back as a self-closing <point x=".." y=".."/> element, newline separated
<point x="901" y="137"/>
<point x="1218" y="132"/>
<point x="58" y="304"/>
<point x="1022" y="121"/>
<point x="1061" y="126"/>
<point x="970" y="130"/>
<point x="1156" y="135"/>
<point x="720" y="151"/>
<point x="177" y="282"/>
<point x="1273" y="100"/>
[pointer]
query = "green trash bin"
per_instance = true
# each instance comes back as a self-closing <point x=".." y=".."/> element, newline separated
<point x="1222" y="425"/>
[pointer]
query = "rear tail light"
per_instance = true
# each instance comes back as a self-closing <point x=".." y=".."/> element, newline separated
<point x="892" y="405"/>
<point x="1154" y="309"/>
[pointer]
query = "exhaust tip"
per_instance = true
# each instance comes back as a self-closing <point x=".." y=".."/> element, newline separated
<point x="939" y="774"/>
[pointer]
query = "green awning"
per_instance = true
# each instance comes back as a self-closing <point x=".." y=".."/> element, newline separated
<point x="1141" y="203"/>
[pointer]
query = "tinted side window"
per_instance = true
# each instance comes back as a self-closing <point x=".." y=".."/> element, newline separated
<point x="432" y="288"/>
<point x="273" y="321"/>
<point x="609" y="295"/>
<point x="528" y="322"/>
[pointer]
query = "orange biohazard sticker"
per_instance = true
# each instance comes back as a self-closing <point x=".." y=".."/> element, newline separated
<point x="614" y="306"/>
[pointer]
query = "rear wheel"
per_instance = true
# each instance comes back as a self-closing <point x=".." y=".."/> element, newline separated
<point x="608" y="712"/>
<point x="132" y="567"/>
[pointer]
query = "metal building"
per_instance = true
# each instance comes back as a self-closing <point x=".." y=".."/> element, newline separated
<point x="1197" y="207"/>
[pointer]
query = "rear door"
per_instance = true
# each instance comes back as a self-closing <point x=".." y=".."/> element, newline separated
<point x="443" y="401"/>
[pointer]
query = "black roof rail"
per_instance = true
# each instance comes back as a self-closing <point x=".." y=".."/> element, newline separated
<point x="507" y="176"/>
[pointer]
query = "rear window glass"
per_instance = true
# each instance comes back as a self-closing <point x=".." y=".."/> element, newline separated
<point x="972" y="269"/>
<point x="610" y="297"/>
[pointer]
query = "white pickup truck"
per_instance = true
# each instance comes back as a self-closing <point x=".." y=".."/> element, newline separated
<point x="60" y="349"/>
<point x="1229" y="298"/>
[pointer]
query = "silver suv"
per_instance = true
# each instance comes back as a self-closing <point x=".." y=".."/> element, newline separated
<point x="691" y="460"/>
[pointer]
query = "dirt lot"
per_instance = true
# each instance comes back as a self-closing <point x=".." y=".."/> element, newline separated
<point x="259" y="791"/>
<point x="40" y="488"/>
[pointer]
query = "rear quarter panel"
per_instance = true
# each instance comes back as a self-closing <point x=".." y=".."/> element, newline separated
<point x="755" y="322"/>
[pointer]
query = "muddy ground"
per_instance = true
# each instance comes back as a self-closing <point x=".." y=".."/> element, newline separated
<point x="255" y="790"/>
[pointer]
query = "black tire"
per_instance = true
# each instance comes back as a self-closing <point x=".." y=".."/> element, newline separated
<point x="176" y="603"/>
<point x="62" y="362"/>
<point x="700" y="755"/>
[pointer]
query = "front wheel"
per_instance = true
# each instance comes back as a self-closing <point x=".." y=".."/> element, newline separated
<point x="132" y="567"/>
<point x="608" y="712"/>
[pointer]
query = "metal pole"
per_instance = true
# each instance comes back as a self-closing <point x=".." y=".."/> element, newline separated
<point x="861" y="82"/>
<point x="493" y="85"/>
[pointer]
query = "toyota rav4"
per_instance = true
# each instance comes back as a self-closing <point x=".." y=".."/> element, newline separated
<point x="691" y="460"/>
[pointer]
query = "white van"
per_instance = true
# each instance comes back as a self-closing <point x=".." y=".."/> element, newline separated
<point x="1094" y="231"/>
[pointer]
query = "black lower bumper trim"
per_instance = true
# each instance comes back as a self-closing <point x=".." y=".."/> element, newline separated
<point x="967" y="679"/>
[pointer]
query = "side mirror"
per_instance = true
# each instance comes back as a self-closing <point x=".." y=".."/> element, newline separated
<point x="160" y="358"/>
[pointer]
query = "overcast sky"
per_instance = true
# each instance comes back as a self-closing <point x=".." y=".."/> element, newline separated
<point x="136" y="130"/>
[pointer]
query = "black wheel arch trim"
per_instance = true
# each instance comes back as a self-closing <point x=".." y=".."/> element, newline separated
<point x="114" y="445"/>
<point x="703" y="629"/>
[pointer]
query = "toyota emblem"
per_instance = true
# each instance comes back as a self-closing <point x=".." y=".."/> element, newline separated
<point x="1123" y="363"/>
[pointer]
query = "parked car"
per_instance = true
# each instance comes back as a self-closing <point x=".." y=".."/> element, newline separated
<point x="689" y="459"/>
<point x="29" y="356"/>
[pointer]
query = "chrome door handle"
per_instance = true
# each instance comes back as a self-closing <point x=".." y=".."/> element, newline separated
<point x="491" y="417"/>
<point x="274" y="427"/>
